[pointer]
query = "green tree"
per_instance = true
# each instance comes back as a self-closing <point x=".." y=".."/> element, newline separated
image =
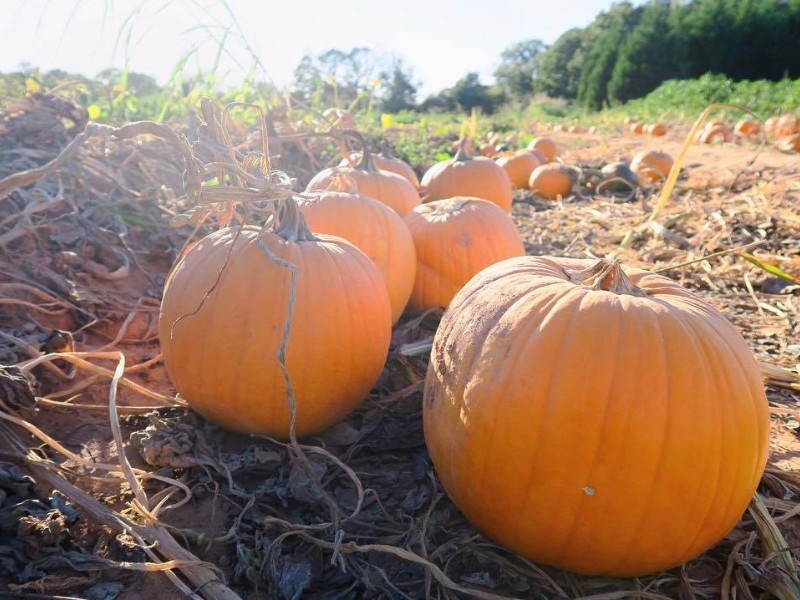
<point x="650" y="54"/>
<point x="560" y="66"/>
<point x="604" y="39"/>
<point x="519" y="68"/>
<point x="397" y="91"/>
<point x="468" y="92"/>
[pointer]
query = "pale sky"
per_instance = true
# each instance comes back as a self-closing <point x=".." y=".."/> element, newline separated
<point x="441" y="40"/>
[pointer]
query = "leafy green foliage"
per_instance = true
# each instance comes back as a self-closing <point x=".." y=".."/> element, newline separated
<point x="628" y="51"/>
<point x="335" y="78"/>
<point x="467" y="93"/>
<point x="519" y="68"/>
<point x="685" y="99"/>
<point x="398" y="92"/>
<point x="560" y="66"/>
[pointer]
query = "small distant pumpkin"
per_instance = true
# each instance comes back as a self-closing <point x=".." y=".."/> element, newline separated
<point x="552" y="181"/>
<point x="651" y="166"/>
<point x="470" y="176"/>
<point x="546" y="146"/>
<point x="657" y="129"/>
<point x="393" y="190"/>
<point x="715" y="133"/>
<point x="771" y="126"/>
<point x="637" y="128"/>
<point x="746" y="127"/>
<point x="455" y="238"/>
<point x="519" y="166"/>
<point x="618" y="178"/>
<point x="788" y="124"/>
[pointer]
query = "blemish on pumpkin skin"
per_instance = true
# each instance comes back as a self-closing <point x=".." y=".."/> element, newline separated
<point x="589" y="490"/>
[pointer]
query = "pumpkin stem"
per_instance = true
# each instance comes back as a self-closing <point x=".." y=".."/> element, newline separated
<point x="366" y="163"/>
<point x="342" y="182"/>
<point x="606" y="275"/>
<point x="462" y="154"/>
<point x="291" y="225"/>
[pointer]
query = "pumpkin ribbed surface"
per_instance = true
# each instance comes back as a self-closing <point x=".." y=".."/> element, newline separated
<point x="222" y="356"/>
<point x="519" y="166"/>
<point x="746" y="127"/>
<point x="607" y="426"/>
<point x="389" y="188"/>
<point x="376" y="230"/>
<point x="788" y="125"/>
<point x="463" y="175"/>
<point x="454" y="239"/>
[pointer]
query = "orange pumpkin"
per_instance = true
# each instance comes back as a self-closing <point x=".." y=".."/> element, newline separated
<point x="746" y="127"/>
<point x="465" y="175"/>
<point x="546" y="146"/>
<point x="788" y="125"/>
<point x="790" y="143"/>
<point x="771" y="126"/>
<point x="551" y="181"/>
<point x="657" y="129"/>
<point x="454" y="239"/>
<point x="386" y="163"/>
<point x="542" y="158"/>
<point x="637" y="128"/>
<point x="223" y="314"/>
<point x="373" y="228"/>
<point x="604" y="421"/>
<point x="715" y="133"/>
<point x="391" y="189"/>
<point x="519" y="166"/>
<point x="651" y="166"/>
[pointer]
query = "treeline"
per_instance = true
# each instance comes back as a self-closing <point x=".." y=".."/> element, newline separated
<point x="625" y="53"/>
<point x="628" y="51"/>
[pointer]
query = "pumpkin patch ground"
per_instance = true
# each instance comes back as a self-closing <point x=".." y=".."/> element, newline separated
<point x="358" y="510"/>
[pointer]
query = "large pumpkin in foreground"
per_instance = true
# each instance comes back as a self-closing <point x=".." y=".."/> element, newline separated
<point x="604" y="423"/>
<point x="454" y="239"/>
<point x="220" y="338"/>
